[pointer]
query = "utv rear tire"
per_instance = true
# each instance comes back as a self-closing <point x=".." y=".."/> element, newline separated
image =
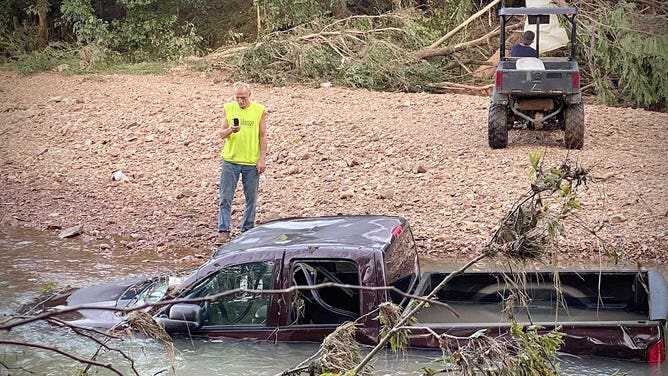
<point x="497" y="126"/>
<point x="574" y="126"/>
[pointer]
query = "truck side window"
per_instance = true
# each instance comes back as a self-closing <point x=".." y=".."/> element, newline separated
<point x="241" y="308"/>
<point x="328" y="305"/>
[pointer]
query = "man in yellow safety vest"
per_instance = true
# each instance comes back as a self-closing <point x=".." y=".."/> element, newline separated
<point x="244" y="154"/>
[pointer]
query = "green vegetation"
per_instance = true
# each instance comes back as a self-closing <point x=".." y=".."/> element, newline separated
<point x="640" y="78"/>
<point x="535" y="353"/>
<point x="49" y="289"/>
<point x="526" y="352"/>
<point x="365" y="51"/>
<point x="357" y="44"/>
<point x="143" y="68"/>
<point x="389" y="317"/>
<point x="529" y="231"/>
<point x="97" y="34"/>
<point x="44" y="60"/>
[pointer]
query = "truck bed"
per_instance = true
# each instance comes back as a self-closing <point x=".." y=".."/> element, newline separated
<point x="492" y="313"/>
<point x="478" y="297"/>
<point x="612" y="313"/>
<point x="557" y="77"/>
<point x="555" y="63"/>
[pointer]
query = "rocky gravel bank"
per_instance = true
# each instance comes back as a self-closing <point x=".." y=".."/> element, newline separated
<point x="331" y="151"/>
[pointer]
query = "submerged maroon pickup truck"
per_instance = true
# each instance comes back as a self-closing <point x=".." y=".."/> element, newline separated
<point x="619" y="314"/>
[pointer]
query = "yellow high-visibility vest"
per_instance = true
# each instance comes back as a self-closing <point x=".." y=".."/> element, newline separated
<point x="243" y="147"/>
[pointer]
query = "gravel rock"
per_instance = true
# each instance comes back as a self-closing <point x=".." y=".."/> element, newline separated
<point x="330" y="151"/>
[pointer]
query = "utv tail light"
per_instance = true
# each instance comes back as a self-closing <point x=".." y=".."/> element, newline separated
<point x="576" y="80"/>
<point x="656" y="353"/>
<point x="499" y="78"/>
<point x="397" y="230"/>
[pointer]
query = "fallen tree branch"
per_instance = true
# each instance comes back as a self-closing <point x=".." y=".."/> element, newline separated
<point x="102" y="345"/>
<point x="65" y="354"/>
<point x="552" y="180"/>
<point x="463" y="24"/>
<point x="433" y="52"/>
<point x="448" y="85"/>
<point x="371" y="17"/>
<point x="210" y="298"/>
<point x="409" y="313"/>
<point x="221" y="53"/>
<point x="463" y="65"/>
<point x="456" y="87"/>
<point x="344" y="32"/>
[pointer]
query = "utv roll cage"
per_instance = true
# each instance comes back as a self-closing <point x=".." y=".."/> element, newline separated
<point x="538" y="16"/>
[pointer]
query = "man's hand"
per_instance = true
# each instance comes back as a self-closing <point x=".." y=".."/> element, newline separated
<point x="261" y="165"/>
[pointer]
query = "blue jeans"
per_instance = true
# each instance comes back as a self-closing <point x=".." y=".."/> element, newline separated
<point x="229" y="176"/>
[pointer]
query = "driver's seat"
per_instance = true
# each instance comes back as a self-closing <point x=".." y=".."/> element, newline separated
<point x="529" y="63"/>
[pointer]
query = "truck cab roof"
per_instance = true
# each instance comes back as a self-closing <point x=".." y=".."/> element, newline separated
<point x="361" y="232"/>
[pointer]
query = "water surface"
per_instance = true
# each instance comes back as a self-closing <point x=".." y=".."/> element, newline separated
<point x="32" y="261"/>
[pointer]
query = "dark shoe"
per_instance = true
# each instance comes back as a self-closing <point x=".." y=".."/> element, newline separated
<point x="223" y="237"/>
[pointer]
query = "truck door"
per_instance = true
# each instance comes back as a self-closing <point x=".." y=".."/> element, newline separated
<point x="321" y="299"/>
<point x="240" y="314"/>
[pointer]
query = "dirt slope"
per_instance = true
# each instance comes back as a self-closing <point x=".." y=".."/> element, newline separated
<point x="332" y="151"/>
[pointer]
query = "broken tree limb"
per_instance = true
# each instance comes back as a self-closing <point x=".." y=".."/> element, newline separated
<point x="466" y="68"/>
<point x="413" y="309"/>
<point x="463" y="24"/>
<point x="363" y="17"/>
<point x="223" y="53"/>
<point x="486" y="69"/>
<point x="461" y="88"/>
<point x="433" y="52"/>
<point x="63" y="353"/>
<point x="228" y="52"/>
<point x="344" y="32"/>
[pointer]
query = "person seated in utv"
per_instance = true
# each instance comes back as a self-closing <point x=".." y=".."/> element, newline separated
<point x="524" y="49"/>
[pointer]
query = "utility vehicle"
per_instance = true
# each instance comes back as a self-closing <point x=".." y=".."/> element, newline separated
<point x="537" y="92"/>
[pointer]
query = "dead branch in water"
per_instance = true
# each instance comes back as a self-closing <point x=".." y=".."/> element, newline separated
<point x="514" y="239"/>
<point x="65" y="354"/>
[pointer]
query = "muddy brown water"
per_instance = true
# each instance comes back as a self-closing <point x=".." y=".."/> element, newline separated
<point x="31" y="261"/>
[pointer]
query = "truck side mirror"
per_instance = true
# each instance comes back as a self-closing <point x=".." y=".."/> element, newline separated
<point x="183" y="318"/>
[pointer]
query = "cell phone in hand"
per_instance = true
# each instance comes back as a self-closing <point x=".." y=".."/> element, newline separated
<point x="235" y="124"/>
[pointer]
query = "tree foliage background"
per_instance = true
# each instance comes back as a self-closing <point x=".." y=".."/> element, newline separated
<point x="367" y="43"/>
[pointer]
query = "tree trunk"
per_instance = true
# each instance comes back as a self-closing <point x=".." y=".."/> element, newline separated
<point x="340" y="9"/>
<point x="43" y="22"/>
<point x="259" y="20"/>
